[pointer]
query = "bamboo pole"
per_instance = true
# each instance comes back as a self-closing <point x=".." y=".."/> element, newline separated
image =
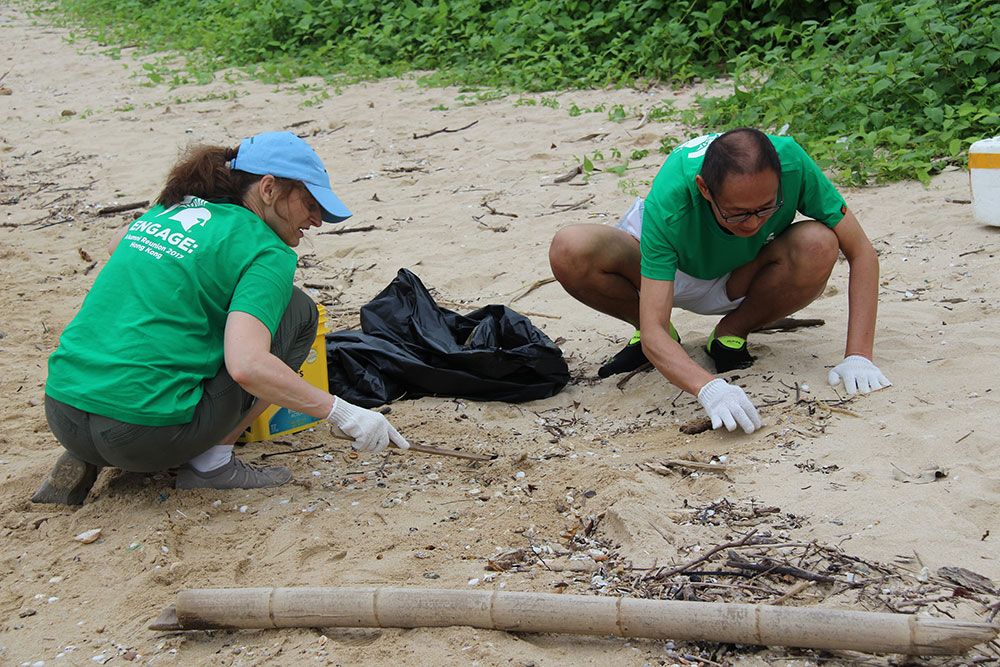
<point x="768" y="625"/>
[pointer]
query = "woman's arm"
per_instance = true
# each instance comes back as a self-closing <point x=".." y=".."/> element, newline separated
<point x="251" y="364"/>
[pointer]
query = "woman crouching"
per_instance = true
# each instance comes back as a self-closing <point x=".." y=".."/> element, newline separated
<point x="193" y="328"/>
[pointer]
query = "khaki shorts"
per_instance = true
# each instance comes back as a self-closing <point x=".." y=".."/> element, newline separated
<point x="704" y="297"/>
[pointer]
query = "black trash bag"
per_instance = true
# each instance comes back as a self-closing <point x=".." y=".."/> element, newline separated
<point x="409" y="345"/>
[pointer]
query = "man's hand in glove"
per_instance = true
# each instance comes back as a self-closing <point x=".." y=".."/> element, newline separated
<point x="728" y="404"/>
<point x="858" y="374"/>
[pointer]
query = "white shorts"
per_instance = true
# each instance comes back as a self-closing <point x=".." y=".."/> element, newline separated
<point x="704" y="297"/>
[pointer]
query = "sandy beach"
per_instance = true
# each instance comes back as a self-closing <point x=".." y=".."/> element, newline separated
<point x="907" y="478"/>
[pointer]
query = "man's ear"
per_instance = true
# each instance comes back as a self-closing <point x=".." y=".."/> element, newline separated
<point x="702" y="188"/>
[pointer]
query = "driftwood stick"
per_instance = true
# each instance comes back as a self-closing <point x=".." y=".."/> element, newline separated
<point x="569" y="175"/>
<point x="458" y="454"/>
<point x="349" y="230"/>
<point x="121" y="208"/>
<point x="790" y="324"/>
<point x="531" y="288"/>
<point x="444" y="129"/>
<point x="563" y="208"/>
<point x="701" y="559"/>
<point x="642" y="369"/>
<point x="663" y="467"/>
<point x="770" y="567"/>
<point x="427" y="449"/>
<point x="768" y="625"/>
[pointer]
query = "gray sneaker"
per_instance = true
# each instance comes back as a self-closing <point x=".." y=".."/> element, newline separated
<point x="233" y="475"/>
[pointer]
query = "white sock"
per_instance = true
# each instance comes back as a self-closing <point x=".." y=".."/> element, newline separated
<point x="215" y="457"/>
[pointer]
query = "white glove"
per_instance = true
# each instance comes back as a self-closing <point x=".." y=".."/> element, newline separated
<point x="858" y="374"/>
<point x="371" y="431"/>
<point x="728" y="404"/>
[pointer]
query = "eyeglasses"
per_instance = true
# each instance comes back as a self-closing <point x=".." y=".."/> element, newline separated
<point x="761" y="213"/>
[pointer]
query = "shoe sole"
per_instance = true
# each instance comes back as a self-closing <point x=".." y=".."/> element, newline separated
<point x="68" y="483"/>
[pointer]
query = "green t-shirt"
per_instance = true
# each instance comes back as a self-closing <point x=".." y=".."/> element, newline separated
<point x="151" y="329"/>
<point x="679" y="230"/>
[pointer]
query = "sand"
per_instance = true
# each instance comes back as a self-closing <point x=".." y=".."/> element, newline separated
<point x="471" y="212"/>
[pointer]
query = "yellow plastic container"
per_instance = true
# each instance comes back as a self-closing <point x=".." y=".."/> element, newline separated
<point x="277" y="421"/>
<point x="984" y="177"/>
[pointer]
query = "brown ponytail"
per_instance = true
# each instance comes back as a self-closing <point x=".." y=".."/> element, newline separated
<point x="203" y="172"/>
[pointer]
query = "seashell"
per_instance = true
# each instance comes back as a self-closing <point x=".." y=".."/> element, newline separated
<point x="88" y="536"/>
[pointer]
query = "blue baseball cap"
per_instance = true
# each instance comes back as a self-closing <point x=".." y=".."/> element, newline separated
<point x="285" y="155"/>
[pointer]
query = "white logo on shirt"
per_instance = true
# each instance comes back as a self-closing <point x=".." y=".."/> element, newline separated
<point x="192" y="213"/>
<point x="700" y="144"/>
<point x="190" y="217"/>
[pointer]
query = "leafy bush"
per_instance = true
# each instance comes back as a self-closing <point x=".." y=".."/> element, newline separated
<point x="885" y="91"/>
<point x="532" y="45"/>
<point x="880" y="90"/>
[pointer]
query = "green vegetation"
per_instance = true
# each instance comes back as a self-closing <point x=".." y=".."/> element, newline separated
<point x="876" y="90"/>
<point x="890" y="89"/>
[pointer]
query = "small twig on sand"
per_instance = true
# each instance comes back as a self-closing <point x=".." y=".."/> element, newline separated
<point x="661" y="574"/>
<point x="529" y="313"/>
<point x="973" y="252"/>
<point x="458" y="454"/>
<point x="642" y="369"/>
<point x="569" y="175"/>
<point x="54" y="222"/>
<point x="531" y="288"/>
<point x="493" y="211"/>
<point x="769" y="567"/>
<point x="793" y="591"/>
<point x="349" y="230"/>
<point x="267" y="455"/>
<point x="563" y="208"/>
<point x="121" y="208"/>
<point x="540" y="559"/>
<point x="642" y="121"/>
<point x="664" y="466"/>
<point x="790" y="324"/>
<point x="444" y="129"/>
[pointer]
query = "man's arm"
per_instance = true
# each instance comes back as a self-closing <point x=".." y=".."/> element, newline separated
<point x="862" y="293"/>
<point x="857" y="371"/>
<point x="656" y="300"/>
<point x="726" y="404"/>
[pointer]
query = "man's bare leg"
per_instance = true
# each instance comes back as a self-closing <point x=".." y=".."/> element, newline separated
<point x="789" y="274"/>
<point x="599" y="266"/>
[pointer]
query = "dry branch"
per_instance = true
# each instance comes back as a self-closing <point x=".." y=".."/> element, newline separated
<point x="563" y="208"/>
<point x="790" y="324"/>
<point x="458" y="454"/>
<point x="121" y="208"/>
<point x="531" y="288"/>
<point x="444" y="129"/>
<point x="349" y="230"/>
<point x="768" y="625"/>
<point x="568" y="176"/>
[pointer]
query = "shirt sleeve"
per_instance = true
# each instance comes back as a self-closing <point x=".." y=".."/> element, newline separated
<point x="265" y="288"/>
<point x="659" y="259"/>
<point x="818" y="198"/>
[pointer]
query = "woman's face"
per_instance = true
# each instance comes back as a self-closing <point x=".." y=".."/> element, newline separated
<point x="292" y="214"/>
